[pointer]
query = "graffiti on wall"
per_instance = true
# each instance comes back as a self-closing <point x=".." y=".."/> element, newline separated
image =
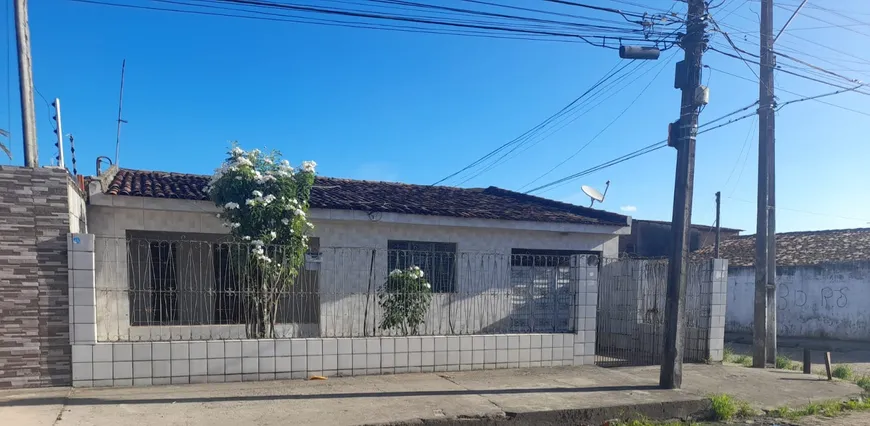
<point x="830" y="297"/>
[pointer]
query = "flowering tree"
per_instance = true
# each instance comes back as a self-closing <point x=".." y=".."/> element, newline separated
<point x="264" y="202"/>
<point x="405" y="298"/>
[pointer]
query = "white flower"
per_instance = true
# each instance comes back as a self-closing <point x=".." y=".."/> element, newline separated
<point x="285" y="221"/>
<point x="427" y="286"/>
<point x="395" y="272"/>
<point x="285" y="163"/>
<point x="267" y="160"/>
<point x="237" y="152"/>
<point x="273" y="234"/>
<point x="257" y="193"/>
<point x="238" y="178"/>
<point x="246" y="238"/>
<point x="242" y="161"/>
<point x="231" y="205"/>
<point x="258" y="243"/>
<point x="218" y="215"/>
<point x="250" y="202"/>
<point x="235" y="225"/>
<point x="308" y="166"/>
<point x="268" y="199"/>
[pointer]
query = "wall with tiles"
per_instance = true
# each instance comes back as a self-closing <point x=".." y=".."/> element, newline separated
<point x="148" y="363"/>
<point x="347" y="240"/>
<point x="35" y="218"/>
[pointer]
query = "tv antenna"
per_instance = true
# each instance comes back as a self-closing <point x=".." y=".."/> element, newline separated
<point x="594" y="194"/>
<point x="120" y="106"/>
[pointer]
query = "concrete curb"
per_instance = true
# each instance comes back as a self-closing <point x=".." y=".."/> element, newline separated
<point x="593" y="416"/>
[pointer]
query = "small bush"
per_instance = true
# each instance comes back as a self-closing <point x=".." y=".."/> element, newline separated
<point x="842" y="371"/>
<point x="784" y="363"/>
<point x="726" y="407"/>
<point x="864" y="383"/>
<point x="728" y="354"/>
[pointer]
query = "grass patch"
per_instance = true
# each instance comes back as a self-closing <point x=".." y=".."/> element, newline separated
<point x="864" y="383"/>
<point x="784" y="363"/>
<point x="728" y="354"/>
<point x="843" y="372"/>
<point x="726" y="407"/>
<point x="826" y="408"/>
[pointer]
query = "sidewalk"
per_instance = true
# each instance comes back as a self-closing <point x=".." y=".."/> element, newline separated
<point x="554" y="395"/>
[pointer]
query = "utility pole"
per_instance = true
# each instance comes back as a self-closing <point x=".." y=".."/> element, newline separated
<point x="59" y="132"/>
<point x="767" y="105"/>
<point x="25" y="84"/>
<point x="765" y="311"/>
<point x="718" y="225"/>
<point x="688" y="79"/>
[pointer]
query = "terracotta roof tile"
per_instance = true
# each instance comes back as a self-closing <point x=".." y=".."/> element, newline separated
<point x="799" y="248"/>
<point x="384" y="197"/>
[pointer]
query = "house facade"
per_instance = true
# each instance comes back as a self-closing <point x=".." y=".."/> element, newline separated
<point x="652" y="238"/>
<point x="131" y="279"/>
<point x="823" y="283"/>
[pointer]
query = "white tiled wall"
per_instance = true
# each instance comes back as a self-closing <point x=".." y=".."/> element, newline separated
<point x="152" y="363"/>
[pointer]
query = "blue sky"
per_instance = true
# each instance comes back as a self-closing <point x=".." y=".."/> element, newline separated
<point x="416" y="107"/>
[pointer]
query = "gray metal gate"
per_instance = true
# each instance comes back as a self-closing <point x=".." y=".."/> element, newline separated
<point x="631" y="305"/>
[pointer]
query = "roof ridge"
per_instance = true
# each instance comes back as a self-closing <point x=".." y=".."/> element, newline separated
<point x="821" y="231"/>
<point x="386" y="197"/>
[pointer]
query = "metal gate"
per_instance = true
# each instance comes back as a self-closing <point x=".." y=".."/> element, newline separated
<point x="631" y="305"/>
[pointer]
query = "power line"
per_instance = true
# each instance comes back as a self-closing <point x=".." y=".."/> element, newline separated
<point x="612" y="122"/>
<point x="778" y="207"/>
<point x="813" y="98"/>
<point x="642" y="151"/>
<point x="458" y="28"/>
<point x="563" y="120"/>
<point x="790" y="72"/>
<point x="608" y="75"/>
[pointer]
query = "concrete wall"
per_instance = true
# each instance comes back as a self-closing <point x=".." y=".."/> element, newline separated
<point x="347" y="239"/>
<point x="36" y="213"/>
<point x="231" y="360"/>
<point x="653" y="239"/>
<point x="827" y="301"/>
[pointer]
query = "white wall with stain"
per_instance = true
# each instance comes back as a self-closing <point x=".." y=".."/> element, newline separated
<point x="827" y="301"/>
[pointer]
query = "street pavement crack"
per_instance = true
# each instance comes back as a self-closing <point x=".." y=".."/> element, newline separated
<point x="476" y="392"/>
<point x="62" y="408"/>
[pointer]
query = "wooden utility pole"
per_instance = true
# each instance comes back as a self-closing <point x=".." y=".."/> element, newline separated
<point x="764" y="328"/>
<point x="688" y="78"/>
<point x="25" y="84"/>
<point x="718" y="225"/>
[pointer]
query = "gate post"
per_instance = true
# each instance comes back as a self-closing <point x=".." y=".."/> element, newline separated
<point x="719" y="296"/>
<point x="587" y="308"/>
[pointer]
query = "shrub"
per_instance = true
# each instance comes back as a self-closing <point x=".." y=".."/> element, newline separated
<point x="264" y="202"/>
<point x="405" y="298"/>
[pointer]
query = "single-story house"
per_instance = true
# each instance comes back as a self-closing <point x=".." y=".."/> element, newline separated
<point x="497" y="259"/>
<point x="652" y="238"/>
<point x="823" y="283"/>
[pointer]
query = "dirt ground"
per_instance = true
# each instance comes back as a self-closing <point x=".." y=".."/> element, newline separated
<point x="854" y="354"/>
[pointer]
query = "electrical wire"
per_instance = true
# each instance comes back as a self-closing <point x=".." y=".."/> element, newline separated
<point x="642" y="151"/>
<point x="465" y="28"/>
<point x="608" y="75"/>
<point x="566" y="119"/>
<point x="813" y="98"/>
<point x="612" y="122"/>
<point x="791" y="72"/>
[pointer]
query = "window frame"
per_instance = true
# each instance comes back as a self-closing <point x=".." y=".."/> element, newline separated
<point x="442" y="282"/>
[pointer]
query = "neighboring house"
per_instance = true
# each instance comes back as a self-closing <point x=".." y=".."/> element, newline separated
<point x="823" y="283"/>
<point x="652" y="238"/>
<point x="503" y="256"/>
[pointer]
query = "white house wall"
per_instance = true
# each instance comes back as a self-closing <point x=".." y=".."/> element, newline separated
<point x="813" y="301"/>
<point x="342" y="312"/>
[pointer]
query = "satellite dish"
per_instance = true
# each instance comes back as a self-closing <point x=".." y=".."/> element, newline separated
<point x="594" y="194"/>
